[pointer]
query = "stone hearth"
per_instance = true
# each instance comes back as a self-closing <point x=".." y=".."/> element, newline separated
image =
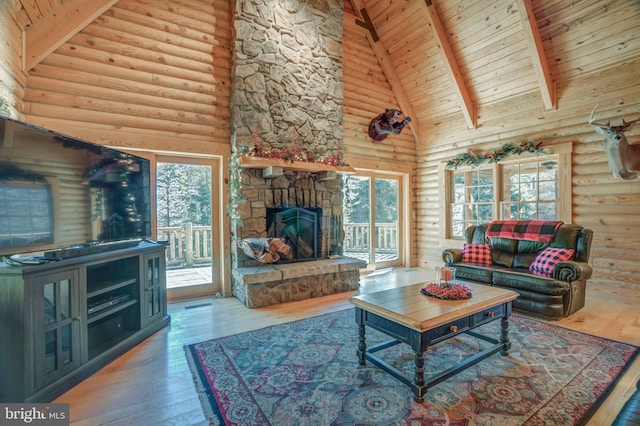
<point x="267" y="285"/>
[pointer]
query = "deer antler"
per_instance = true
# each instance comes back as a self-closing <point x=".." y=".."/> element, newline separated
<point x="592" y="119"/>
<point x="628" y="124"/>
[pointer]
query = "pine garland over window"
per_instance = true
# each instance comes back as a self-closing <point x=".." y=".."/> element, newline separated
<point x="471" y="159"/>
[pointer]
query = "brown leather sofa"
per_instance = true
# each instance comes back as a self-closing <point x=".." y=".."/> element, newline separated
<point x="553" y="297"/>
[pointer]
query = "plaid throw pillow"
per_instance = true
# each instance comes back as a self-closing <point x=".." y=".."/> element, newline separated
<point x="477" y="253"/>
<point x="547" y="259"/>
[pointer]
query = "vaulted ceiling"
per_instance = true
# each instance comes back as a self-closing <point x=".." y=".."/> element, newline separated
<point x="451" y="57"/>
<point x="446" y="58"/>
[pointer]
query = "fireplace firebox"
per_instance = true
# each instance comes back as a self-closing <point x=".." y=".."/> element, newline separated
<point x="300" y="227"/>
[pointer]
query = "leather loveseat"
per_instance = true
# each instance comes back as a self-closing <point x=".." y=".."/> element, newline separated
<point x="556" y="295"/>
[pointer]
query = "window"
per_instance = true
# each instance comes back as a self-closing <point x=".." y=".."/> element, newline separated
<point x="530" y="191"/>
<point x="473" y="199"/>
<point x="25" y="214"/>
<point x="519" y="189"/>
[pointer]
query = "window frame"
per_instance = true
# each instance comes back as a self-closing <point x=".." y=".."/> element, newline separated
<point x="47" y="201"/>
<point x="560" y="153"/>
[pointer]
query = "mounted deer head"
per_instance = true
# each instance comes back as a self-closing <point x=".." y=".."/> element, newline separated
<point x="623" y="159"/>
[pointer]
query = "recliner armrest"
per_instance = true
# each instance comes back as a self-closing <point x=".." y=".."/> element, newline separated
<point x="452" y="255"/>
<point x="572" y="271"/>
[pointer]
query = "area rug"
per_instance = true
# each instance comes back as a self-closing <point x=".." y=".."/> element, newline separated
<point x="306" y="373"/>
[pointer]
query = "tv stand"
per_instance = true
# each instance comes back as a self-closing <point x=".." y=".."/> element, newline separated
<point x="62" y="321"/>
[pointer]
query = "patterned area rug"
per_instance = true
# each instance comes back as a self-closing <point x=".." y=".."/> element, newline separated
<point x="306" y="373"/>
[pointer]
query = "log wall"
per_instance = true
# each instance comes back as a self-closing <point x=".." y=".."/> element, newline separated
<point x="609" y="206"/>
<point x="143" y="76"/>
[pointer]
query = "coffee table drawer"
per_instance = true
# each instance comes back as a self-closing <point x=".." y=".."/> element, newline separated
<point x="488" y="315"/>
<point x="448" y="330"/>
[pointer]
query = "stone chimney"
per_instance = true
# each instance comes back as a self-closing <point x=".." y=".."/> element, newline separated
<point x="287" y="93"/>
<point x="287" y="73"/>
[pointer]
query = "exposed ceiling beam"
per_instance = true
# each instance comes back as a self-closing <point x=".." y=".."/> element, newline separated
<point x="367" y="24"/>
<point x="451" y="65"/>
<point x="390" y="73"/>
<point x="538" y="57"/>
<point x="53" y="30"/>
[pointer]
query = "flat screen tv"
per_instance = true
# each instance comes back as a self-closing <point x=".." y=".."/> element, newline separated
<point x="57" y="191"/>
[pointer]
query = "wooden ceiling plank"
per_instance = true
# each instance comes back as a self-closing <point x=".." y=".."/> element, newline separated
<point x="538" y="57"/>
<point x="32" y="10"/>
<point x="466" y="103"/>
<point x="392" y="77"/>
<point x="57" y="27"/>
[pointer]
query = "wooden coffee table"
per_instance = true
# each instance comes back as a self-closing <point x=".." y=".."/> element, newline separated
<point x="420" y="321"/>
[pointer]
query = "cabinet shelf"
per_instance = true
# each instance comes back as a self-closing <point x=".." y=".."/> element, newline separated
<point x="106" y="345"/>
<point x="111" y="310"/>
<point x="110" y="286"/>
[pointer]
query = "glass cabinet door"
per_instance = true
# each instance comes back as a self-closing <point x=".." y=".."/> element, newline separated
<point x="154" y="285"/>
<point x="56" y="325"/>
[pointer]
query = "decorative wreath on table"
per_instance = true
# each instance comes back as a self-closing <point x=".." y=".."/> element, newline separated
<point x="450" y="292"/>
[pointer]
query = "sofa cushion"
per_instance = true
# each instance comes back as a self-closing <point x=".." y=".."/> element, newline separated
<point x="525" y="246"/>
<point x="502" y="258"/>
<point x="477" y="253"/>
<point x="548" y="258"/>
<point x="524" y="260"/>
<point x="473" y="272"/>
<point x="522" y="279"/>
<point x="567" y="236"/>
<point x="502" y="251"/>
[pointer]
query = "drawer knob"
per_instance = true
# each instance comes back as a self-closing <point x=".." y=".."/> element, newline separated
<point x="453" y="328"/>
<point x="491" y="314"/>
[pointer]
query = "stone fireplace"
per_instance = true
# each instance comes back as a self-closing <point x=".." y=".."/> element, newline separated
<point x="287" y="95"/>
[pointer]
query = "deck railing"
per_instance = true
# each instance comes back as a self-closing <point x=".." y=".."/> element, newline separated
<point x="357" y="237"/>
<point x="190" y="245"/>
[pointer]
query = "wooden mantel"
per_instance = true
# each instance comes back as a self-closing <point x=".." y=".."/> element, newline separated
<point x="272" y="167"/>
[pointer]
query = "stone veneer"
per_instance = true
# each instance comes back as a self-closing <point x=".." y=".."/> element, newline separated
<point x="287" y="73"/>
<point x="287" y="93"/>
<point x="267" y="285"/>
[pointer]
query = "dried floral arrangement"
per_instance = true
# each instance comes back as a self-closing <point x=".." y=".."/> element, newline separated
<point x="448" y="292"/>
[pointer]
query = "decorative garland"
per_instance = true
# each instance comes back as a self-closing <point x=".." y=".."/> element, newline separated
<point x="235" y="193"/>
<point x="471" y="159"/>
<point x="297" y="153"/>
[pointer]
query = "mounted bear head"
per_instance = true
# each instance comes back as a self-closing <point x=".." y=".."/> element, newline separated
<point x="390" y="121"/>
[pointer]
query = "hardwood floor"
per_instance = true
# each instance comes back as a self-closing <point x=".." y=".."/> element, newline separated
<point x="151" y="384"/>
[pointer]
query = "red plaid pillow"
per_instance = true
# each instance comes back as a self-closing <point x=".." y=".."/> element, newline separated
<point x="477" y="253"/>
<point x="547" y="259"/>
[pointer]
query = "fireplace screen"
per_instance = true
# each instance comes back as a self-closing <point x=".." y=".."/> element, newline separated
<point x="299" y="227"/>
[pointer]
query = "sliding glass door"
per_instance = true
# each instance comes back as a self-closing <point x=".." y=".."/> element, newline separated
<point x="185" y="219"/>
<point x="373" y="222"/>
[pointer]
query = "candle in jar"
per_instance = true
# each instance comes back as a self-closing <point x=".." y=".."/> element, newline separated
<point x="446" y="274"/>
